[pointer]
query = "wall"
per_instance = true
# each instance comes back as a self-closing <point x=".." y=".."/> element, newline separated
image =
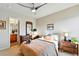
<point x="64" y="21"/>
<point x="4" y="36"/>
<point x="68" y="25"/>
<point x="23" y="25"/>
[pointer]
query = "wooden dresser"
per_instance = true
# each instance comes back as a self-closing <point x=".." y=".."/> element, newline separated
<point x="13" y="38"/>
<point x="69" y="47"/>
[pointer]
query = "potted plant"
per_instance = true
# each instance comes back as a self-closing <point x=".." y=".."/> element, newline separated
<point x="33" y="30"/>
<point x="13" y="31"/>
<point x="74" y="40"/>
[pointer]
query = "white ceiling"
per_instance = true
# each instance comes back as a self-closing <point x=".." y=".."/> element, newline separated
<point x="47" y="9"/>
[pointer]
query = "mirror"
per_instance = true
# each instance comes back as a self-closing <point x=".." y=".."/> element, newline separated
<point x="29" y="27"/>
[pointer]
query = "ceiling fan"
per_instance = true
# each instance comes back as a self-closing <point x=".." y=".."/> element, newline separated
<point x="33" y="8"/>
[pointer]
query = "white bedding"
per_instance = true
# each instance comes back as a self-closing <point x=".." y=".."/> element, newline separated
<point x="54" y="39"/>
<point x="39" y="47"/>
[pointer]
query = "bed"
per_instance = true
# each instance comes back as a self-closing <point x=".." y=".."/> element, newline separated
<point x="38" y="47"/>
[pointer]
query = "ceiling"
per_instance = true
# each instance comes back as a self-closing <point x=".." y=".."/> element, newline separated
<point x="47" y="9"/>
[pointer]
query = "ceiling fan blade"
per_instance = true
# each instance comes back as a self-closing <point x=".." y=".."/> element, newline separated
<point x="24" y="6"/>
<point x="40" y="6"/>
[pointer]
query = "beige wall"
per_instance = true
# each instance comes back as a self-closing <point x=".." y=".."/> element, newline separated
<point x="64" y="21"/>
<point x="23" y="25"/>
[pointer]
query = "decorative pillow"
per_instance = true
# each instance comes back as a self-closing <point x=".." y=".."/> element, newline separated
<point x="35" y="37"/>
<point x="28" y="41"/>
<point x="48" y="37"/>
<point x="27" y="38"/>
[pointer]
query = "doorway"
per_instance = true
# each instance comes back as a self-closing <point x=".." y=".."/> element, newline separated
<point x="14" y="30"/>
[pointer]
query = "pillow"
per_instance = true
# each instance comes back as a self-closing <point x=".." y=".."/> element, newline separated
<point x="26" y="38"/>
<point x="35" y="37"/>
<point x="48" y="37"/>
<point x="28" y="41"/>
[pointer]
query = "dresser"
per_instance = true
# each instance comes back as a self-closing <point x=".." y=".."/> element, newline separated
<point x="69" y="47"/>
<point x="13" y="38"/>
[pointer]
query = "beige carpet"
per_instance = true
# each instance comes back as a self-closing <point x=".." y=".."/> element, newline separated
<point x="13" y="51"/>
<point x="65" y="54"/>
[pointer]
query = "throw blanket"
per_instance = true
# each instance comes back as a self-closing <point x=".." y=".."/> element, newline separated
<point x="38" y="47"/>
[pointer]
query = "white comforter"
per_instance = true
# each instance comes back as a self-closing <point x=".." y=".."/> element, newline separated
<point x="39" y="47"/>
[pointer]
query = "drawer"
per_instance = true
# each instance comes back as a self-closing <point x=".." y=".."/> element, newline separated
<point x="71" y="50"/>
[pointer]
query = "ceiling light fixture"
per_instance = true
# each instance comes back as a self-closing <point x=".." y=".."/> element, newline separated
<point x="33" y="10"/>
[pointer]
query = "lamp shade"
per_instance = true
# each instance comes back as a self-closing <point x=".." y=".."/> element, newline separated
<point x="66" y="34"/>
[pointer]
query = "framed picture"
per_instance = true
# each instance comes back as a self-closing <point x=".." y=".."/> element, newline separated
<point x="2" y="24"/>
<point x="50" y="26"/>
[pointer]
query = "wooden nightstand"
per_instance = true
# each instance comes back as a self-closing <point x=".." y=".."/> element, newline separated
<point x="69" y="47"/>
